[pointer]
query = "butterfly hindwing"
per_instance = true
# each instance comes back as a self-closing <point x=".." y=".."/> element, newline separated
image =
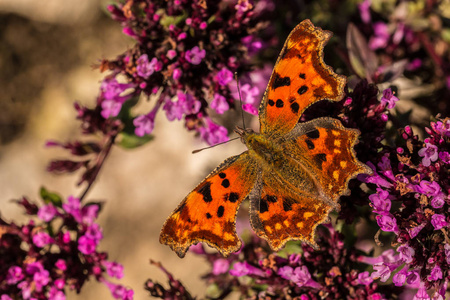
<point x="279" y="213"/>
<point x="208" y="213"/>
<point x="299" y="79"/>
<point x="325" y="148"/>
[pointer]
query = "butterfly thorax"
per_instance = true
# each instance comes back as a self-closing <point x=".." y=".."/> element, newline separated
<point x="260" y="146"/>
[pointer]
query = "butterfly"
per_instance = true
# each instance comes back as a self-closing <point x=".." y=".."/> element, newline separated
<point x="292" y="173"/>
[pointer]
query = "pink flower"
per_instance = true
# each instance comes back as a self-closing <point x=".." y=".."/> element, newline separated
<point x="244" y="268"/>
<point x="438" y="221"/>
<point x="388" y="98"/>
<point x="387" y="222"/>
<point x="177" y="74"/>
<point x="110" y="108"/>
<point x="220" y="266"/>
<point x="72" y="207"/>
<point x="145" y="123"/>
<point x="87" y="245"/>
<point x="213" y="133"/>
<point x="249" y="108"/>
<point x="113" y="269"/>
<point x="41" y="239"/>
<point x="195" y="55"/>
<point x="224" y="76"/>
<point x="146" y="68"/>
<point x="219" y="104"/>
<point x="429" y="154"/>
<point x="15" y="274"/>
<point x="406" y="253"/>
<point x="47" y="212"/>
<point x="61" y="264"/>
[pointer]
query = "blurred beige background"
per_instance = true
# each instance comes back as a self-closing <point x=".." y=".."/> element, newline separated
<point x="46" y="53"/>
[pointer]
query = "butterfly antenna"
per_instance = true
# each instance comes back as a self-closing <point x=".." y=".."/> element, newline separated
<point x="240" y="98"/>
<point x="209" y="147"/>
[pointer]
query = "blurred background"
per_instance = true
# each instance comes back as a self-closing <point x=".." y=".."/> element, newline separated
<point x="46" y="58"/>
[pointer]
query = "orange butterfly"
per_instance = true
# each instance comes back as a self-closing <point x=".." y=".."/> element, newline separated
<point x="292" y="173"/>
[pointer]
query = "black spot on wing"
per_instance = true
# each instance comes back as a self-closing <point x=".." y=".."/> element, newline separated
<point x="263" y="207"/>
<point x="208" y="216"/>
<point x="222" y="175"/>
<point x="226" y="183"/>
<point x="295" y="107"/>
<point x="233" y="197"/>
<point x="302" y="75"/>
<point x="303" y="89"/>
<point x="220" y="211"/>
<point x="287" y="204"/>
<point x="313" y="134"/>
<point x="279" y="103"/>
<point x="279" y="81"/>
<point x="271" y="102"/>
<point x="310" y="144"/>
<point x="271" y="198"/>
<point x="205" y="191"/>
<point x="319" y="159"/>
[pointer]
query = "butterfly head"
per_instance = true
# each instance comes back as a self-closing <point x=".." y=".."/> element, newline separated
<point x="244" y="133"/>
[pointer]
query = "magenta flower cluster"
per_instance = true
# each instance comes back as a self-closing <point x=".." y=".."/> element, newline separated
<point x="412" y="201"/>
<point x="57" y="253"/>
<point x="184" y="61"/>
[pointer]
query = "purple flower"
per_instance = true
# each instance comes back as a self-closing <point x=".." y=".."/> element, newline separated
<point x="421" y="293"/>
<point x="26" y="289"/>
<point x="381" y="36"/>
<point x="173" y="110"/>
<point x="364" y="278"/>
<point x="301" y="276"/>
<point x="87" y="245"/>
<point x="414" y="231"/>
<point x="177" y="74"/>
<point x="380" y="201"/>
<point x="61" y="264"/>
<point x="171" y="54"/>
<point x="429" y="154"/>
<point x="72" y="207"/>
<point x="400" y="278"/>
<point x="438" y="201"/>
<point x="213" y="133"/>
<point x="94" y="232"/>
<point x="364" y="11"/>
<point x="219" y="104"/>
<point x="249" y="94"/>
<point x="111" y="89"/>
<point x="113" y="269"/>
<point x="428" y="189"/>
<point x="406" y="253"/>
<point x="250" y="109"/>
<point x="41" y="239"/>
<point x="55" y="294"/>
<point x="5" y="297"/>
<point x="89" y="213"/>
<point x="220" y="266"/>
<point x="387" y="223"/>
<point x="436" y="274"/>
<point x="438" y="221"/>
<point x="144" y="124"/>
<point x="195" y="55"/>
<point x="382" y="271"/>
<point x="47" y="212"/>
<point x="412" y="277"/>
<point x="15" y="274"/>
<point x="447" y="253"/>
<point x="244" y="268"/>
<point x="118" y="291"/>
<point x="443" y="128"/>
<point x="188" y="102"/>
<point x="110" y="108"/>
<point x="145" y="68"/>
<point x="224" y="76"/>
<point x="41" y="279"/>
<point x="445" y="157"/>
<point x="388" y="98"/>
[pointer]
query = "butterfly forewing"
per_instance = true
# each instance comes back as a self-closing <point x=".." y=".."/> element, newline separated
<point x="299" y="79"/>
<point x="208" y="213"/>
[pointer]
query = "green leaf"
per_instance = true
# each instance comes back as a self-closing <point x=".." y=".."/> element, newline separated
<point x="131" y="141"/>
<point x="50" y="197"/>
